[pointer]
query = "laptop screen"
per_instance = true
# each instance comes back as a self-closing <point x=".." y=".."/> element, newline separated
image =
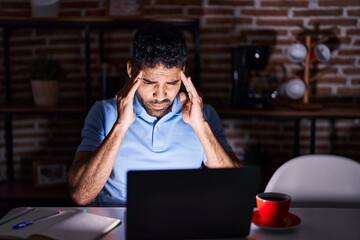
<point x="185" y="204"/>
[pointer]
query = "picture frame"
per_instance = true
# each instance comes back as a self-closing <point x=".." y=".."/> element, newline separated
<point x="123" y="8"/>
<point x="49" y="173"/>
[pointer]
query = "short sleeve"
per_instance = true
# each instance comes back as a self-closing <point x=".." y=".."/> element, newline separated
<point x="214" y="121"/>
<point x="93" y="132"/>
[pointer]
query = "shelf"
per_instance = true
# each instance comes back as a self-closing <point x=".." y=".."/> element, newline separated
<point x="112" y="22"/>
<point x="331" y="107"/>
<point x="43" y="110"/>
<point x="346" y="111"/>
<point x="326" y="112"/>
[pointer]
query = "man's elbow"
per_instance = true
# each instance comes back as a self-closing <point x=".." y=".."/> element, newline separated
<point x="80" y="199"/>
<point x="78" y="196"/>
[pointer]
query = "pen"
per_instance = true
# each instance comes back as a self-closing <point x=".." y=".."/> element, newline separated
<point x="16" y="215"/>
<point x="28" y="223"/>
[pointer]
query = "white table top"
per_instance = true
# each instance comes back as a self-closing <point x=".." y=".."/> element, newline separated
<point x="316" y="223"/>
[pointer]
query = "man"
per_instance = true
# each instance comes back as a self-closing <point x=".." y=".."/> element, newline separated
<point x="149" y="124"/>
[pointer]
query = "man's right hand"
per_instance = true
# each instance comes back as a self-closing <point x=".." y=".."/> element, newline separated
<point x="124" y="101"/>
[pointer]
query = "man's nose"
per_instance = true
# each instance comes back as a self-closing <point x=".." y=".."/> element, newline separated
<point x="160" y="92"/>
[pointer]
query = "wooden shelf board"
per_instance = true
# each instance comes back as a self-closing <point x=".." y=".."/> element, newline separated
<point x="24" y="189"/>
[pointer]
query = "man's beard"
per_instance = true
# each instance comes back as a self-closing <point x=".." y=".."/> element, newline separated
<point x="158" y="113"/>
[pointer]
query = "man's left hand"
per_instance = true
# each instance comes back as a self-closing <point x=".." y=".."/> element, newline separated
<point x="193" y="106"/>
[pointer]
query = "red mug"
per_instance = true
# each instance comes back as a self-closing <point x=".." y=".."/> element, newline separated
<point x="272" y="207"/>
<point x="320" y="53"/>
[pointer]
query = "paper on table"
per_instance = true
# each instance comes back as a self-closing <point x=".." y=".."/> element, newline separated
<point x="69" y="225"/>
<point x="23" y="212"/>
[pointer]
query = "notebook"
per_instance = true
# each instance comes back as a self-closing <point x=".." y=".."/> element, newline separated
<point x="190" y="204"/>
<point x="51" y="223"/>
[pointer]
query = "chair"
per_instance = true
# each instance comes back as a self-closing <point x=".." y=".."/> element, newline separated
<point x="318" y="180"/>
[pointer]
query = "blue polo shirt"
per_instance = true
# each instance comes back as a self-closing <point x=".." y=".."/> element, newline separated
<point x="150" y="143"/>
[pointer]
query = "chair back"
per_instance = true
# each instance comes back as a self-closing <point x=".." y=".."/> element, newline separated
<point x="318" y="180"/>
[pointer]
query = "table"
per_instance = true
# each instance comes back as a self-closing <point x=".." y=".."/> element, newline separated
<point x="317" y="223"/>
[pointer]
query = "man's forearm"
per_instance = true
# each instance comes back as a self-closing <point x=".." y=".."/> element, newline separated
<point x="90" y="171"/>
<point x="216" y="156"/>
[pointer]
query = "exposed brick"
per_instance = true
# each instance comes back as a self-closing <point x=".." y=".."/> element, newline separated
<point x="336" y="3"/>
<point x="78" y="5"/>
<point x="332" y="80"/>
<point x="94" y="13"/>
<point x="323" y="91"/>
<point x="347" y="61"/>
<point x="284" y="3"/>
<point x="264" y="12"/>
<point x="263" y="32"/>
<point x="10" y="4"/>
<point x="355" y="13"/>
<point x="218" y="40"/>
<point x="183" y="2"/>
<point x="214" y="20"/>
<point x="58" y="51"/>
<point x="222" y="3"/>
<point x="354" y="31"/>
<point x="278" y="23"/>
<point x="357" y="42"/>
<point x="334" y="22"/>
<point x="67" y="41"/>
<point x="211" y="11"/>
<point x="216" y="30"/>
<point x="355" y="81"/>
<point x="348" y="91"/>
<point x="56" y="32"/>
<point x="319" y="13"/>
<point x="162" y="11"/>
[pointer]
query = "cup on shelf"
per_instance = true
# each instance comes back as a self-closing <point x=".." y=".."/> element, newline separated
<point x="296" y="52"/>
<point x="295" y="88"/>
<point x="273" y="207"/>
<point x="320" y="53"/>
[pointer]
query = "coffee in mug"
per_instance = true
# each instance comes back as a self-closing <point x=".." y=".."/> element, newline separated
<point x="272" y="207"/>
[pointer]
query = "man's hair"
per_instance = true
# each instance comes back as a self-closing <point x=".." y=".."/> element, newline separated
<point x="159" y="43"/>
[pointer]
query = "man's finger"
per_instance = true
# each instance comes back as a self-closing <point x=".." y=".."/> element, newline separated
<point x="136" y="84"/>
<point x="189" y="86"/>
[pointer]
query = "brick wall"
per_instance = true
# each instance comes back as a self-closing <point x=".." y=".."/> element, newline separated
<point x="224" y="24"/>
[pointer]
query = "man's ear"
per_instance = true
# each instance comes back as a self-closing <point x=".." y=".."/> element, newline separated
<point x="129" y="68"/>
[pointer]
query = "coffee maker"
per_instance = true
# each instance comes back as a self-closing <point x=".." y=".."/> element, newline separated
<point x="245" y="61"/>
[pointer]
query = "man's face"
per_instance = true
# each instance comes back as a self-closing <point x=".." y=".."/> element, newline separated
<point x="158" y="89"/>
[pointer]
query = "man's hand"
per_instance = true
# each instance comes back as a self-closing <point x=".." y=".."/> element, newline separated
<point x="192" y="106"/>
<point x="124" y="101"/>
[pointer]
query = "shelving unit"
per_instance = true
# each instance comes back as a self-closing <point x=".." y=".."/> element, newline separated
<point x="344" y="111"/>
<point x="9" y="25"/>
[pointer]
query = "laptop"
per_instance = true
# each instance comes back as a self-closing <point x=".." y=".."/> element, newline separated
<point x="191" y="204"/>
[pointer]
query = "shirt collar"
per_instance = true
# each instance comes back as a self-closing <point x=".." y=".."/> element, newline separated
<point x="141" y="112"/>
